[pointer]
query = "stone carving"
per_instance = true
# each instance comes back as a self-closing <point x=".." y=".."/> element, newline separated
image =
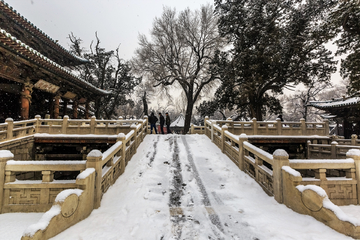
<point x="69" y="205"/>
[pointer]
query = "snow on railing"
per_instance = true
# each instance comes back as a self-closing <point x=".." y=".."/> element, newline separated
<point x="14" y="130"/>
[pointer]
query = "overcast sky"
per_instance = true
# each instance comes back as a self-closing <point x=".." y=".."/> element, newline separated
<point x="115" y="21"/>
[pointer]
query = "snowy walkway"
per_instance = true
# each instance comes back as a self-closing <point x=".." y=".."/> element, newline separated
<point x="183" y="187"/>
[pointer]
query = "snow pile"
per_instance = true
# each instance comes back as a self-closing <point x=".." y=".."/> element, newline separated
<point x="6" y="154"/>
<point x="43" y="222"/>
<point x="353" y="152"/>
<point x="280" y="153"/>
<point x="65" y="193"/>
<point x="95" y="153"/>
<point x="291" y="171"/>
<point x="85" y="173"/>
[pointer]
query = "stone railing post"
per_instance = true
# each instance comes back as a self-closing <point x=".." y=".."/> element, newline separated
<point x="230" y="124"/>
<point x="212" y="130"/>
<point x="326" y="127"/>
<point x="92" y="124"/>
<point x="119" y="120"/>
<point x="242" y="139"/>
<point x="10" y="128"/>
<point x="223" y="129"/>
<point x="205" y="128"/>
<point x="146" y="123"/>
<point x="94" y="160"/>
<point x="353" y="139"/>
<point x="308" y="150"/>
<point x="5" y="155"/>
<point x="303" y="126"/>
<point x="355" y="154"/>
<point x="65" y="124"/>
<point x="133" y="127"/>
<point x="281" y="158"/>
<point x="121" y="137"/>
<point x="38" y="123"/>
<point x="278" y="126"/>
<point x="47" y="116"/>
<point x="254" y="125"/>
<point x="333" y="150"/>
<point x="192" y="129"/>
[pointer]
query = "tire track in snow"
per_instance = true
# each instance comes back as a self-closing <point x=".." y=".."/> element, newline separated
<point x="214" y="218"/>
<point x="155" y="151"/>
<point x="176" y="191"/>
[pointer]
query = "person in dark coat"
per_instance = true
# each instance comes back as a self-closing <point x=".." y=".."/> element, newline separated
<point x="152" y="120"/>
<point x="168" y="121"/>
<point x="162" y="121"/>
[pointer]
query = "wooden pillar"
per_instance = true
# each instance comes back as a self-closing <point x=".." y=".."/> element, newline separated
<point x="87" y="109"/>
<point x="75" y="108"/>
<point x="25" y="99"/>
<point x="66" y="101"/>
<point x="56" y="106"/>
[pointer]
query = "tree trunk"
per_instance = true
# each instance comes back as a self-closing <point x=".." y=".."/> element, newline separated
<point x="258" y="112"/>
<point x="189" y="109"/>
<point x="97" y="108"/>
<point x="146" y="108"/>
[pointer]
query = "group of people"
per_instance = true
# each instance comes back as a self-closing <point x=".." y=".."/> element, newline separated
<point x="153" y="119"/>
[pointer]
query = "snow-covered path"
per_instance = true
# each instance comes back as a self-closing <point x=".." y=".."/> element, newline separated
<point x="183" y="187"/>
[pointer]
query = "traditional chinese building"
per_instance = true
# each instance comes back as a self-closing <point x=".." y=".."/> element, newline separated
<point x="345" y="112"/>
<point x="35" y="73"/>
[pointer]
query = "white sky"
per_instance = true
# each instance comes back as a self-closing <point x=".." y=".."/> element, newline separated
<point x="116" y="21"/>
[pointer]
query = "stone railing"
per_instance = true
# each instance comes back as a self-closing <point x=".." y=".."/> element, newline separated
<point x="271" y="128"/>
<point x="14" y="130"/>
<point x="197" y="129"/>
<point x="354" y="141"/>
<point x="335" y="179"/>
<point x="43" y="194"/>
<point x="329" y="151"/>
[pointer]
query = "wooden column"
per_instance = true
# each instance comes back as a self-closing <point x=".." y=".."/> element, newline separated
<point x="87" y="107"/>
<point x="25" y="99"/>
<point x="75" y="108"/>
<point x="56" y="106"/>
<point x="66" y="101"/>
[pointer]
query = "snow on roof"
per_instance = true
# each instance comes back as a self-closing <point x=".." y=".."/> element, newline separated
<point x="179" y="121"/>
<point x="33" y="29"/>
<point x="336" y="102"/>
<point x="28" y="52"/>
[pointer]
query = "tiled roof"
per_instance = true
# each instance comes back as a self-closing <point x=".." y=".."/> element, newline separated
<point x="340" y="102"/>
<point x="23" y="50"/>
<point x="30" y="27"/>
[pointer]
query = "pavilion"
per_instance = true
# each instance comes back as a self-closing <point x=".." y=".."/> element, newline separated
<point x="345" y="112"/>
<point x="35" y="73"/>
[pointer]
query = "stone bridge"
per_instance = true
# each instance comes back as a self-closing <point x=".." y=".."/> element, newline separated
<point x="182" y="177"/>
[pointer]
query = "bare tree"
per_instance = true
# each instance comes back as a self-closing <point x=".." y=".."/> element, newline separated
<point x="180" y="53"/>
<point x="297" y="105"/>
<point x="105" y="70"/>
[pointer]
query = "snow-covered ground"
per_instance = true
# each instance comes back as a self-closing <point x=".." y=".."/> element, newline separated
<point x="183" y="187"/>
